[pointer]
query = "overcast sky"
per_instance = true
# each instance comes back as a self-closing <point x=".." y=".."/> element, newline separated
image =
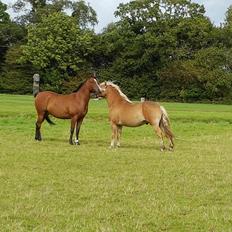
<point x="215" y="10"/>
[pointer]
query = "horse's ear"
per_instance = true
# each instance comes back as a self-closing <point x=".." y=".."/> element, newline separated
<point x="105" y="83"/>
<point x="94" y="75"/>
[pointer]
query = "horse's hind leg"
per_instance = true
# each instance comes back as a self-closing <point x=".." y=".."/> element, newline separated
<point x="171" y="143"/>
<point x="160" y="135"/>
<point x="38" y="123"/>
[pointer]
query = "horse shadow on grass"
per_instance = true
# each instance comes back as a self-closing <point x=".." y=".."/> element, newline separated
<point x="56" y="140"/>
<point x="97" y="142"/>
<point x="105" y="144"/>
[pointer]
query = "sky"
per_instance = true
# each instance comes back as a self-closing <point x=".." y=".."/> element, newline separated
<point x="215" y="10"/>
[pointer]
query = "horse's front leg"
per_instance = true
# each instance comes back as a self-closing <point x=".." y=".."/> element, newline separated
<point x="119" y="133"/>
<point x="78" y="126"/>
<point x="72" y="128"/>
<point x="114" y="135"/>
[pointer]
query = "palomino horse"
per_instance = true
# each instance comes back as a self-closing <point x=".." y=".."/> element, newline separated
<point x="122" y="112"/>
<point x="73" y="106"/>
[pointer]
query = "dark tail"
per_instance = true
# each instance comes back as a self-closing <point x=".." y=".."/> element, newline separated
<point x="36" y="91"/>
<point x="165" y="125"/>
<point x="49" y="120"/>
<point x="35" y="94"/>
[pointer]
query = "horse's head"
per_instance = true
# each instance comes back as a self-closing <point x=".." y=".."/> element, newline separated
<point x="106" y="88"/>
<point x="93" y="86"/>
<point x="109" y="90"/>
<point x="103" y="87"/>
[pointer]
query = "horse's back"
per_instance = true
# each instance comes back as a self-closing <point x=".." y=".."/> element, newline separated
<point x="45" y="95"/>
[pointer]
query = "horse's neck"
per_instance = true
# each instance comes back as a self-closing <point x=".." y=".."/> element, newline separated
<point x="83" y="93"/>
<point x="114" y="97"/>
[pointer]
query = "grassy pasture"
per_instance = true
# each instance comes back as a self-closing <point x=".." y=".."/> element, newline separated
<point x="52" y="186"/>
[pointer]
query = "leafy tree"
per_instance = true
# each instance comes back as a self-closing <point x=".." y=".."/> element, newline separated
<point x="59" y="47"/>
<point x="158" y="49"/>
<point x="228" y="19"/>
<point x="148" y="37"/>
<point x="15" y="78"/>
<point x="207" y="76"/>
<point x="84" y="13"/>
<point x="226" y="31"/>
<point x="32" y="9"/>
<point x="142" y="15"/>
<point x="4" y="16"/>
<point x="4" y="19"/>
<point x="10" y="33"/>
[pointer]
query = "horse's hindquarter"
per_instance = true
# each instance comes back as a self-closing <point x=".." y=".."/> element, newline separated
<point x="42" y="99"/>
<point x="152" y="112"/>
<point x="128" y="114"/>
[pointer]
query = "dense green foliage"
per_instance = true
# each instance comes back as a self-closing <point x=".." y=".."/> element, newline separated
<point x="159" y="49"/>
<point x="58" y="46"/>
<point x="52" y="186"/>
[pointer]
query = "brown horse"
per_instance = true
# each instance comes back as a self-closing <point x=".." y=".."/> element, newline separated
<point x="122" y="112"/>
<point x="73" y="106"/>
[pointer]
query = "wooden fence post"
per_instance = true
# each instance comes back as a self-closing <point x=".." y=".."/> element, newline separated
<point x="36" y="80"/>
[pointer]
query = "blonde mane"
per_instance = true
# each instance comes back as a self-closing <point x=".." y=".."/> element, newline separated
<point x="119" y="90"/>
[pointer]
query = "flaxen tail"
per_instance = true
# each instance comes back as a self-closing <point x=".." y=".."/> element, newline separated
<point x="165" y="125"/>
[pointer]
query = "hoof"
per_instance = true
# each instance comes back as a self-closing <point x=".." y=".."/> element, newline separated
<point x="162" y="149"/>
<point x="112" y="147"/>
<point x="76" y="142"/>
<point x="38" y="139"/>
<point x="71" y="142"/>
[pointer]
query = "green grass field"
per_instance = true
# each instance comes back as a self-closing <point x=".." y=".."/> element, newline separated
<point x="52" y="186"/>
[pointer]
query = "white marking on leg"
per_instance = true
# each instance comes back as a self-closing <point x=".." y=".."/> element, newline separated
<point x="162" y="147"/>
<point x="112" y="143"/>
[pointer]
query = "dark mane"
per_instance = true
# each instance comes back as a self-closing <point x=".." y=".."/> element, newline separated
<point x="78" y="88"/>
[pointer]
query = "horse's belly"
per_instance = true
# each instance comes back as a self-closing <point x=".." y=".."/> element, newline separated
<point x="132" y="121"/>
<point x="58" y="115"/>
<point x="58" y="112"/>
<point x="133" y="124"/>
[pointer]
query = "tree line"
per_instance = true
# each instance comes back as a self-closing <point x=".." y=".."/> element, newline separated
<point x="158" y="49"/>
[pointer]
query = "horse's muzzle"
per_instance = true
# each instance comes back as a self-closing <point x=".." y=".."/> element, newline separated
<point x="97" y="93"/>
